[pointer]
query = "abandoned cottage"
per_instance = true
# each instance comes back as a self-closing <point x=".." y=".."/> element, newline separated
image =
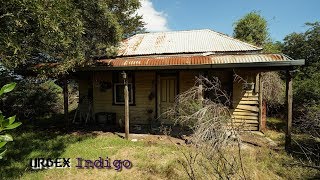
<point x="161" y="65"/>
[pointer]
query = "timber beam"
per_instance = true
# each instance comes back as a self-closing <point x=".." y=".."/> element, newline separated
<point x="289" y="100"/>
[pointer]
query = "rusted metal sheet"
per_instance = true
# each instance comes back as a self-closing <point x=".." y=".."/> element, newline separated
<point x="192" y="60"/>
<point x="194" y="41"/>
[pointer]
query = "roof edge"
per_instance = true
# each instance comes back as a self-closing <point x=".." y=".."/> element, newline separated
<point x="282" y="65"/>
<point x="196" y="53"/>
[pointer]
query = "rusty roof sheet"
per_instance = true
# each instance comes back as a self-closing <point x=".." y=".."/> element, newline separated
<point x="175" y="42"/>
<point x="193" y="60"/>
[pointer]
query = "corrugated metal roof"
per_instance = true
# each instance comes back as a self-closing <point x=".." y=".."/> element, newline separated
<point x="193" y="41"/>
<point x="193" y="60"/>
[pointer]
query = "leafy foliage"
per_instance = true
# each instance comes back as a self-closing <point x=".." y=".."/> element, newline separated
<point x="272" y="47"/>
<point x="252" y="28"/>
<point x="6" y="123"/>
<point x="69" y="32"/>
<point x="36" y="99"/>
<point x="306" y="46"/>
<point x="7" y="88"/>
<point x="125" y="12"/>
<point x="32" y="97"/>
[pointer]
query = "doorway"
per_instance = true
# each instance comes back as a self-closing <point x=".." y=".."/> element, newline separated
<point x="167" y="92"/>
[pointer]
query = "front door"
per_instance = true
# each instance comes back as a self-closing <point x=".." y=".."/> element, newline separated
<point x="167" y="93"/>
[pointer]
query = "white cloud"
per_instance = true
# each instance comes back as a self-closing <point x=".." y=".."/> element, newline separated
<point x="155" y="20"/>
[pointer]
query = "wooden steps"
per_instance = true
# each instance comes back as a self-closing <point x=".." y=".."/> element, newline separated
<point x="246" y="112"/>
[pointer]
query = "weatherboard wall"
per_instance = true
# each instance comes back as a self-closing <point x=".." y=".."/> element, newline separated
<point x="143" y="111"/>
<point x="139" y="111"/>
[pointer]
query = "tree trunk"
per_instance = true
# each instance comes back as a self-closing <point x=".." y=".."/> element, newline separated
<point x="66" y="101"/>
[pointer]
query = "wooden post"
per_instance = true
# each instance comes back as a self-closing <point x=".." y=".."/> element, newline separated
<point x="289" y="110"/>
<point x="126" y="105"/>
<point x="158" y="100"/>
<point x="260" y="101"/>
<point x="66" y="101"/>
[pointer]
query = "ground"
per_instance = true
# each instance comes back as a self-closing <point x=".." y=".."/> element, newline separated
<point x="152" y="156"/>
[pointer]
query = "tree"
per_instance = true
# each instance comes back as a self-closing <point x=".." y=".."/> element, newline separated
<point x="126" y="15"/>
<point x="305" y="46"/>
<point x="252" y="28"/>
<point x="273" y="47"/>
<point x="70" y="32"/>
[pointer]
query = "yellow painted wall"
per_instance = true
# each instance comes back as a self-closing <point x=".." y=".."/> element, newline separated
<point x="145" y="89"/>
<point x="187" y="79"/>
<point x="144" y="85"/>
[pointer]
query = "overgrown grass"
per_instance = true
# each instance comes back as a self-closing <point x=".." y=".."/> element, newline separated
<point x="34" y="143"/>
<point x="264" y="163"/>
<point x="151" y="159"/>
<point x="276" y="124"/>
<point x="303" y="145"/>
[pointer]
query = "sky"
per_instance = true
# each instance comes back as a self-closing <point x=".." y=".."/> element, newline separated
<point x="283" y="16"/>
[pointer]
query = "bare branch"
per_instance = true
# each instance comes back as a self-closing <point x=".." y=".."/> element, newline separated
<point x="214" y="137"/>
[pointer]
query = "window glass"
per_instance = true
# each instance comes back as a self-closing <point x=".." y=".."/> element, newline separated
<point x="118" y="88"/>
<point x="119" y="93"/>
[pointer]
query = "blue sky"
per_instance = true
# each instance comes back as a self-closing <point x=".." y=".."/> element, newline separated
<point x="283" y="16"/>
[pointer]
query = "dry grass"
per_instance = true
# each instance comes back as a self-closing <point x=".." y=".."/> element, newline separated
<point x="152" y="158"/>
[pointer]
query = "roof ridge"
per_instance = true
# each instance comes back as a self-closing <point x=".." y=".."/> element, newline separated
<point x="232" y="38"/>
<point x="176" y="31"/>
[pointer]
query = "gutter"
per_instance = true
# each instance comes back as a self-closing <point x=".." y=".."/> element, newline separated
<point x="280" y="64"/>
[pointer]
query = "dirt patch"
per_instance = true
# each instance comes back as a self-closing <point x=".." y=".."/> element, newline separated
<point x="153" y="139"/>
<point x="258" y="139"/>
<point x="247" y="138"/>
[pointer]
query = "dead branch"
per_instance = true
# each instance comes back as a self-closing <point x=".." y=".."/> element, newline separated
<point x="215" y="140"/>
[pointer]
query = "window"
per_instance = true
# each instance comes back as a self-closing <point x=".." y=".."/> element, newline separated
<point x="119" y="93"/>
<point x="118" y="88"/>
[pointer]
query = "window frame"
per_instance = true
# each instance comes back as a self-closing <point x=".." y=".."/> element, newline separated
<point x="117" y="80"/>
<point x="115" y="93"/>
